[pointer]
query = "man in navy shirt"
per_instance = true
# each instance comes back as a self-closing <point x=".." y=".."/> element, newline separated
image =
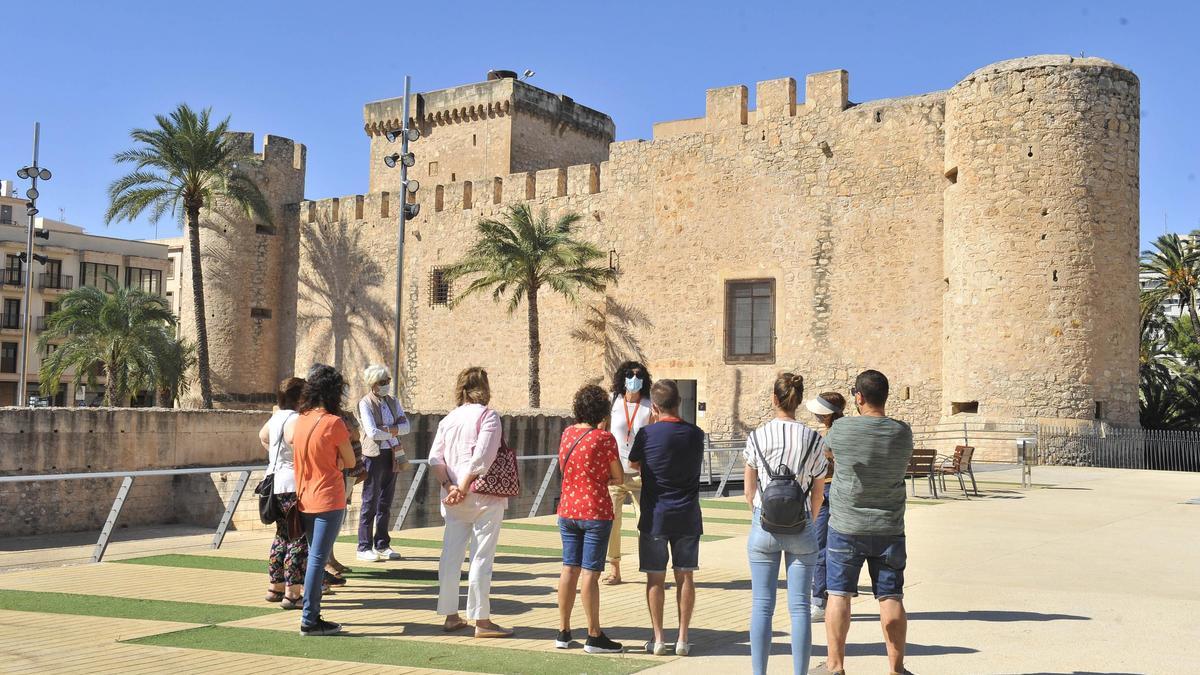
<point x="669" y="454"/>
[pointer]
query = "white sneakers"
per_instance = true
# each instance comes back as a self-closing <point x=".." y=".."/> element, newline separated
<point x="378" y="556"/>
<point x="387" y="554"/>
<point x="818" y="613"/>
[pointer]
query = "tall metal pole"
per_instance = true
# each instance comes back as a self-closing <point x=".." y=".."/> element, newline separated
<point x="400" y="237"/>
<point x="23" y="350"/>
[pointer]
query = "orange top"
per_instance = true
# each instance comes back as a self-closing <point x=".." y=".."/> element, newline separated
<point x="319" y="483"/>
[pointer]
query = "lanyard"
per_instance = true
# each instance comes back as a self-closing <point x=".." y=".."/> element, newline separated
<point x="629" y="420"/>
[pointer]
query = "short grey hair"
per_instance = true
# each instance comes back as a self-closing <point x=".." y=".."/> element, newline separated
<point x="374" y="374"/>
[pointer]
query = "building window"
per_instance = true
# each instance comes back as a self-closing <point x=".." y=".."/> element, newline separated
<point x="148" y="280"/>
<point x="12" y="314"/>
<point x="264" y="229"/>
<point x="8" y="357"/>
<point x="6" y="215"/>
<point x="260" y="313"/>
<point x="750" y="321"/>
<point x="171" y="268"/>
<point x="12" y="270"/>
<point x="439" y="287"/>
<point x="92" y="274"/>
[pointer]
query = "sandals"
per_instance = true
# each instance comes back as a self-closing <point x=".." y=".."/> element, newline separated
<point x="493" y="632"/>
<point x="334" y="580"/>
<point x="291" y="603"/>
<point x="610" y="580"/>
<point x="453" y="627"/>
<point x="273" y="596"/>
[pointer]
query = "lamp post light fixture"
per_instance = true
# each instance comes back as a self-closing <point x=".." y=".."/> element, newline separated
<point x="403" y="159"/>
<point x="33" y="174"/>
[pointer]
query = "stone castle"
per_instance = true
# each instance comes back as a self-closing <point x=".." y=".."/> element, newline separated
<point x="979" y="245"/>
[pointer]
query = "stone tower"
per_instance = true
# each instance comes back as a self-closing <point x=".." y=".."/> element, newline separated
<point x="250" y="279"/>
<point x="492" y="128"/>
<point x="1041" y="241"/>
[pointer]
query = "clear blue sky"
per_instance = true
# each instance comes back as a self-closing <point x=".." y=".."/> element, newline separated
<point x="91" y="71"/>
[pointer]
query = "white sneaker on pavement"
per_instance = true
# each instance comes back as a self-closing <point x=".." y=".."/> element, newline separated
<point x="368" y="556"/>
<point x="818" y="613"/>
<point x="387" y="554"/>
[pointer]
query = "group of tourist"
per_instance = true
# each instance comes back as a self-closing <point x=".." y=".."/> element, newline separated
<point x="843" y="483"/>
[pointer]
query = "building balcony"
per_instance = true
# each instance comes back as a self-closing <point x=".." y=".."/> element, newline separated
<point x="49" y="281"/>
<point x="39" y="323"/>
<point x="12" y="277"/>
<point x="10" y="322"/>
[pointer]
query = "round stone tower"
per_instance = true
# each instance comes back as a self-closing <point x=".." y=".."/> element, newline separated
<point x="1041" y="242"/>
<point x="249" y="278"/>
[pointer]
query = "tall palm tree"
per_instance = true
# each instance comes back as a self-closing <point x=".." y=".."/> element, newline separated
<point x="124" y="333"/>
<point x="519" y="255"/>
<point x="1174" y="263"/>
<point x="180" y="167"/>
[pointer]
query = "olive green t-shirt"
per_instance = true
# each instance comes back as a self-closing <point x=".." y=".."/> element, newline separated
<point x="870" y="455"/>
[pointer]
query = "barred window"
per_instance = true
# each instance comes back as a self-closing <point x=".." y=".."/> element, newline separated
<point x="260" y="313"/>
<point x="440" y="292"/>
<point x="750" y="321"/>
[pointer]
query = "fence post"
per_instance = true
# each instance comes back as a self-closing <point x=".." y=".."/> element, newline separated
<point x="227" y="517"/>
<point x="537" y="501"/>
<point x="106" y="531"/>
<point x="728" y="471"/>
<point x="412" y="494"/>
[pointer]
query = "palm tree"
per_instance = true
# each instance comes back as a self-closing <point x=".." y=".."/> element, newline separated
<point x="519" y="255"/>
<point x="124" y="333"/>
<point x="1175" y="263"/>
<point x="180" y="167"/>
<point x="175" y="361"/>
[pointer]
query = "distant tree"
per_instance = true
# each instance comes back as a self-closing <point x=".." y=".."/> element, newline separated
<point x="519" y="255"/>
<point x="1174" y="263"/>
<point x="126" y="334"/>
<point x="180" y="167"/>
<point x="171" y="380"/>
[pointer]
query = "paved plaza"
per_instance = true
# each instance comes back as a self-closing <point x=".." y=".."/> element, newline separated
<point x="1088" y="571"/>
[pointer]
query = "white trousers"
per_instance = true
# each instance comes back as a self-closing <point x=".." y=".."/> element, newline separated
<point x="475" y="522"/>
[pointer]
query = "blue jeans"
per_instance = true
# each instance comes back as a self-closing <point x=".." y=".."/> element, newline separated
<point x="379" y="487"/>
<point x="584" y="542"/>
<point x="800" y="552"/>
<point x="822" y="532"/>
<point x="321" y="530"/>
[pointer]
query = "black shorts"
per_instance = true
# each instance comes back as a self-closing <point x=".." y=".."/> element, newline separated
<point x="684" y="552"/>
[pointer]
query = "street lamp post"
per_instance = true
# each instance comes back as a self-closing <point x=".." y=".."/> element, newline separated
<point x="404" y="159"/>
<point x="33" y="173"/>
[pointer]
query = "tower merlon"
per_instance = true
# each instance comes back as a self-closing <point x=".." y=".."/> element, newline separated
<point x="827" y="90"/>
<point x="775" y="98"/>
<point x="725" y="107"/>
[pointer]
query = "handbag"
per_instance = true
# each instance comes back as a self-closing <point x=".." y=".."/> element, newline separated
<point x="502" y="478"/>
<point x="268" y="509"/>
<point x="784" y="507"/>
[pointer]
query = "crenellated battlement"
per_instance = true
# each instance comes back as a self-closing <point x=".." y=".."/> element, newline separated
<point x="276" y="150"/>
<point x="486" y="100"/>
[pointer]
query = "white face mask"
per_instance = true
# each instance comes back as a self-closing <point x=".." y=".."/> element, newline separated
<point x="633" y="384"/>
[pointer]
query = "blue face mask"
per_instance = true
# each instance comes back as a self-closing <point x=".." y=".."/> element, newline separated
<point x="633" y="384"/>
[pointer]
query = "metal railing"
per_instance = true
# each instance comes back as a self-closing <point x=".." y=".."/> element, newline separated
<point x="1120" y="448"/>
<point x="51" y="281"/>
<point x="11" y="277"/>
<point x="123" y="492"/>
<point x="715" y="457"/>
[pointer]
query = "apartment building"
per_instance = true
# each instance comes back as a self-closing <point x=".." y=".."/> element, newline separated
<point x="75" y="258"/>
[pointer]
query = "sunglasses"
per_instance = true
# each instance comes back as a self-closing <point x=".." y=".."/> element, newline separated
<point x="384" y="383"/>
<point x="854" y="391"/>
<point x="633" y="373"/>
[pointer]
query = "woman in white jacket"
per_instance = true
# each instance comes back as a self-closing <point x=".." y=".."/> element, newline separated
<point x="463" y="449"/>
<point x="381" y="424"/>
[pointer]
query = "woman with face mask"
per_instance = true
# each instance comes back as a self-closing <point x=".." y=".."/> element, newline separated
<point x="382" y="422"/>
<point x="630" y="412"/>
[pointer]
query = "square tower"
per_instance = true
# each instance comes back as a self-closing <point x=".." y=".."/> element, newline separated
<point x="491" y="128"/>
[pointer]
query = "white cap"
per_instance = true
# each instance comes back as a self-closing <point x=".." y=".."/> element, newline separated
<point x="819" y="406"/>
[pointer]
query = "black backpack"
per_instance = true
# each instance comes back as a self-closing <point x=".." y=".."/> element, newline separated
<point x="784" y="504"/>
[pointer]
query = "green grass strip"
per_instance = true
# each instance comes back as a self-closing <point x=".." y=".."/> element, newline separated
<point x="737" y="505"/>
<point x="727" y="521"/>
<point x="437" y="544"/>
<point x="393" y="652"/>
<point x="126" y="608"/>
<point x="224" y="564"/>
<point x="537" y="527"/>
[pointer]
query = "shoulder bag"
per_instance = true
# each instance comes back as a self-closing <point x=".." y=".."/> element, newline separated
<point x="784" y="505"/>
<point x="502" y="478"/>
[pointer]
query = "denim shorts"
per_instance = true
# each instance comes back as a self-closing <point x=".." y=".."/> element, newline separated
<point x="885" y="556"/>
<point x="685" y="552"/>
<point x="584" y="542"/>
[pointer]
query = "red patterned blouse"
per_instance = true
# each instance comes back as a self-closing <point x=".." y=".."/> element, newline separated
<point x="586" y="474"/>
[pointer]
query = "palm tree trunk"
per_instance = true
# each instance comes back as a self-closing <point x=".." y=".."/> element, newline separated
<point x="535" y="351"/>
<point x="202" y="367"/>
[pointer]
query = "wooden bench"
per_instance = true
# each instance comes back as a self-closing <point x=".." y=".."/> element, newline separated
<point x="958" y="465"/>
<point x="921" y="465"/>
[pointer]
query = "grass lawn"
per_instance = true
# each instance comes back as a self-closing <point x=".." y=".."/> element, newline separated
<point x="126" y="608"/>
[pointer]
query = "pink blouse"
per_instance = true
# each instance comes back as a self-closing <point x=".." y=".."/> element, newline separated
<point x="466" y="443"/>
